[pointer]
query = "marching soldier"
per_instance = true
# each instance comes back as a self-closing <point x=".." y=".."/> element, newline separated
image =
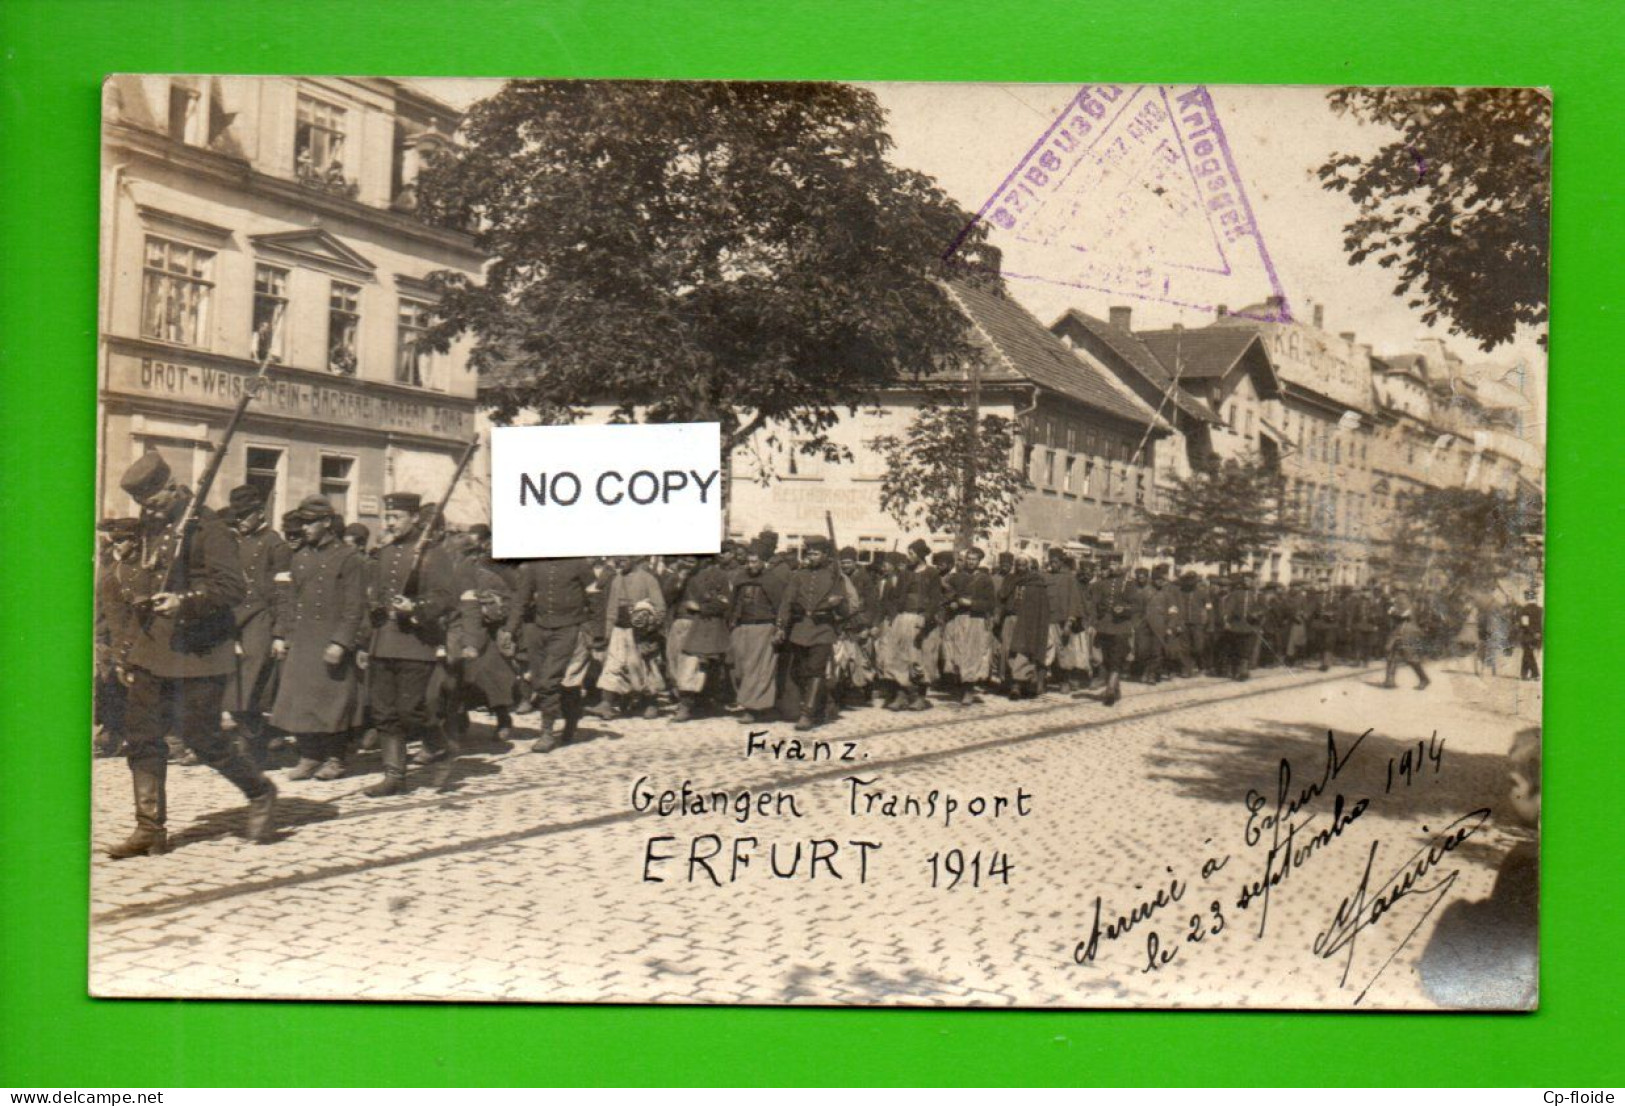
<point x="967" y="609"/>
<point x="854" y="669"/>
<point x="552" y="607"/>
<point x="318" y="639"/>
<point x="266" y="560"/>
<point x="752" y="617"/>
<point x="1243" y="618"/>
<point x="1024" y="604"/>
<point x="119" y="564"/>
<point x="1065" y="601"/>
<point x="1405" y="644"/>
<point x="482" y="673"/>
<point x="917" y="598"/>
<point x="409" y="609"/>
<point x="1114" y="629"/>
<point x="634" y="615"/>
<point x="180" y="655"/>
<point x="1531" y="636"/>
<point x="700" y="661"/>
<point x="1192" y="603"/>
<point x="817" y="600"/>
<point x="1172" y="610"/>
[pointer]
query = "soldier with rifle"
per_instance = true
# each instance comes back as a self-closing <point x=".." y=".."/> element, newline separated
<point x="412" y="597"/>
<point x="179" y="652"/>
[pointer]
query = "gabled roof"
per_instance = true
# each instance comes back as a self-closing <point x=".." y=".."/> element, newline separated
<point x="1206" y="354"/>
<point x="1133" y="352"/>
<point x="1026" y="350"/>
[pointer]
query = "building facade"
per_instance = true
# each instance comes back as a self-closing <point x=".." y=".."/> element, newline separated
<point x="283" y="207"/>
<point x="1350" y="433"/>
<point x="1087" y="446"/>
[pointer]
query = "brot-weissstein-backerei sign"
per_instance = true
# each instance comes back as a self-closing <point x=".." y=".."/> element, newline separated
<point x="574" y="491"/>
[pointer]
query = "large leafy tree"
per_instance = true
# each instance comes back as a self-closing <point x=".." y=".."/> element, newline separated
<point x="1465" y="540"/>
<point x="1457" y="204"/>
<point x="1221" y="515"/>
<point x="950" y="471"/>
<point x="697" y="251"/>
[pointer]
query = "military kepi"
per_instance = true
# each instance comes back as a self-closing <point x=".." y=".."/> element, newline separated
<point x="402" y="501"/>
<point x="246" y="498"/>
<point x="147" y="476"/>
<point x="315" y="507"/>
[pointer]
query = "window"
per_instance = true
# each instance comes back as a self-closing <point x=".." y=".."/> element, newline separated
<point x="270" y="312"/>
<point x="1089" y="477"/>
<point x="264" y="471"/>
<point x="1337" y="451"/>
<point x="1049" y="468"/>
<point x="1067" y="484"/>
<point x="185" y="120"/>
<point x="1139" y="487"/>
<point x="415" y="363"/>
<point x="175" y="292"/>
<point x="318" y="142"/>
<point x="811" y="465"/>
<point x="343" y="328"/>
<point x="1248" y="431"/>
<point x="870" y="549"/>
<point x="336" y="482"/>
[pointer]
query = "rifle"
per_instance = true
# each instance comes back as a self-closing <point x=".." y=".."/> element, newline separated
<point x="217" y="457"/>
<point x="422" y="547"/>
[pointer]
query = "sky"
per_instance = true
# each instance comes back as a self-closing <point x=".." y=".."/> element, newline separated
<point x="970" y="137"/>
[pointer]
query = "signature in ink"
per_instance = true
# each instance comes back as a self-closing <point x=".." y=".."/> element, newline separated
<point x="1419" y="875"/>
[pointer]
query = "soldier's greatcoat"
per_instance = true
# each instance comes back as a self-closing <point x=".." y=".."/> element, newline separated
<point x="328" y="606"/>
<point x="265" y="555"/>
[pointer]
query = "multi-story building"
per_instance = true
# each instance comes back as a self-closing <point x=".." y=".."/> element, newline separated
<point x="236" y="206"/>
<point x="1350" y="433"/>
<point x="1087" y="445"/>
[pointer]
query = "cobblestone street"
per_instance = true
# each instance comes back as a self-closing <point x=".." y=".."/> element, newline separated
<point x="525" y="881"/>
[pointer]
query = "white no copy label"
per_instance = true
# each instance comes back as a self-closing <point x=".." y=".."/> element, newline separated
<point x="582" y="491"/>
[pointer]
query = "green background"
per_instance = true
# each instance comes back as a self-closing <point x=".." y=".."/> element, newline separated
<point x="54" y="55"/>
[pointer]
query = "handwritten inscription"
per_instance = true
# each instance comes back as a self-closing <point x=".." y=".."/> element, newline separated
<point x="1290" y="826"/>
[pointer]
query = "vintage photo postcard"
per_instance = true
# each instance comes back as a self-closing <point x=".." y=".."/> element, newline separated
<point x="1124" y="587"/>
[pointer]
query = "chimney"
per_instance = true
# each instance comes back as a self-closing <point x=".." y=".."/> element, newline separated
<point x="1221" y="311"/>
<point x="1348" y="339"/>
<point x="1275" y="303"/>
<point x="1365" y="350"/>
<point x="1179" y="328"/>
<point x="1320" y="316"/>
<point x="1120" y="316"/>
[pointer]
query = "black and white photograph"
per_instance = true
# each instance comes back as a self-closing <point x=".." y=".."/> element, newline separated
<point x="984" y="545"/>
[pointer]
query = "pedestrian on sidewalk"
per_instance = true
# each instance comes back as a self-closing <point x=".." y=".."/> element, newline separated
<point x="1405" y="643"/>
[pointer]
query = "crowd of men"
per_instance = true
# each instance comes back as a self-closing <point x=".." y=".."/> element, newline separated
<point x="301" y="635"/>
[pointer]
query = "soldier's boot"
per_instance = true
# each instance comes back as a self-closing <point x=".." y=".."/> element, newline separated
<point x="608" y="708"/>
<point x="393" y="747"/>
<point x="831" y="706"/>
<point x="570" y="706"/>
<point x="1114" y="690"/>
<point x="440" y="771"/>
<point x="916" y="699"/>
<point x="261" y="827"/>
<point x="369" y="740"/>
<point x="1422" y="680"/>
<point x="810" y="695"/>
<point x="898" y="699"/>
<point x="305" y="769"/>
<point x="256" y="787"/>
<point x="1388" y="674"/>
<point x="546" y="741"/>
<point x="333" y="768"/>
<point x="149" y="838"/>
<point x="967" y="695"/>
<point x="685" y="707"/>
<point x="504" y="731"/>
